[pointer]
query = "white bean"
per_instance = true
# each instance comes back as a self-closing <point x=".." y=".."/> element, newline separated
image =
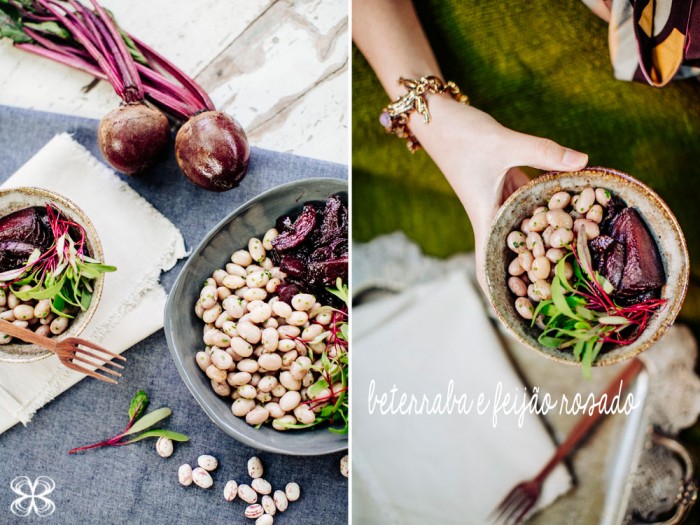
<point x="561" y="238"/>
<point x="540" y="268"/>
<point x="559" y="200"/>
<point x="261" y="486"/>
<point x="592" y="229"/>
<point x="261" y="314"/>
<point x="531" y="293"/>
<point x="555" y="254"/>
<point x="249" y="332"/>
<point x="221" y="389"/>
<point x="202" y="478"/>
<point x="265" y="519"/>
<point x="207" y="462"/>
<point x="184" y="475"/>
<point x="289" y="382"/>
<point x="210" y="315"/>
<point x="290" y="400"/>
<point x="254" y="511"/>
<point x="247" y="494"/>
<point x="238" y="378"/>
<point x="280" y="499"/>
<point x="298" y="318"/>
<point x="585" y="200"/>
<point x="282" y="309"/>
<point x="234" y="282"/>
<point x="270" y="339"/>
<point x="257" y="416"/>
<point x="254" y="294"/>
<point x="203" y="360"/>
<point x="270" y="362"/>
<point x="304" y="414"/>
<point x="270" y="235"/>
<point x="221" y="359"/>
<point x="42" y="309"/>
<point x="603" y="196"/>
<point x="230" y="490"/>
<point x="292" y="491"/>
<point x="164" y="447"/>
<point x="525" y="259"/>
<point x="515" y="268"/>
<point x="248" y="365"/>
<point x="247" y="391"/>
<point x="543" y="289"/>
<point x="256" y="249"/>
<point x="546" y="236"/>
<point x="257" y="279"/>
<point x="242" y="406"/>
<point x="274" y="410"/>
<point x="208" y="297"/>
<point x="535" y="244"/>
<point x="517" y="286"/>
<point x="269" y="505"/>
<point x="516" y="242"/>
<point x="595" y="214"/>
<point x="216" y="374"/>
<point x="242" y="258"/>
<point x="303" y="302"/>
<point x="255" y="467"/>
<point x="59" y="325"/>
<point x="538" y="222"/>
<point x="559" y="219"/>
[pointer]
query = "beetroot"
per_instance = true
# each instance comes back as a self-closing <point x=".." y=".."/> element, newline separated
<point x="28" y="225"/>
<point x="212" y="151"/>
<point x="132" y="136"/>
<point x="312" y="250"/>
<point x="643" y="269"/>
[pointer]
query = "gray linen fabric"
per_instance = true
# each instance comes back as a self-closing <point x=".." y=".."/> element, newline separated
<point x="132" y="484"/>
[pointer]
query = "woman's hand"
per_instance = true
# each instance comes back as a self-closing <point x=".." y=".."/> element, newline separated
<point x="481" y="159"/>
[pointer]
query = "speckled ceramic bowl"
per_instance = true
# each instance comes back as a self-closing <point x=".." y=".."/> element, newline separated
<point x="15" y="199"/>
<point x="658" y="217"/>
<point x="183" y="329"/>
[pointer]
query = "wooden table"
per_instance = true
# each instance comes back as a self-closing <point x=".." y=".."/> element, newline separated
<point x="279" y="66"/>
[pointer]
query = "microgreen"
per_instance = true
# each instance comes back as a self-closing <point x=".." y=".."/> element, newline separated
<point x="64" y="273"/>
<point x="138" y="422"/>
<point x="582" y="316"/>
<point x="332" y="370"/>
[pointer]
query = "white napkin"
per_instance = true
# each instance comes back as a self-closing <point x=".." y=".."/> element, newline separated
<point x="438" y="468"/>
<point x="136" y="238"/>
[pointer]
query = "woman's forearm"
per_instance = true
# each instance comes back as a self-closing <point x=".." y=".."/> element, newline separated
<point x="393" y="41"/>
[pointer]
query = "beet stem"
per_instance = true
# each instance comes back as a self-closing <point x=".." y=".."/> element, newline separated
<point x="180" y="75"/>
<point x="132" y="77"/>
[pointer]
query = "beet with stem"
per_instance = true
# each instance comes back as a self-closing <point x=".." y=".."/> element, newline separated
<point x="212" y="151"/>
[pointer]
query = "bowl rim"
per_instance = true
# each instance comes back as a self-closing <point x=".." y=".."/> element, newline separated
<point x="84" y="318"/>
<point x="222" y="423"/>
<point x="669" y="316"/>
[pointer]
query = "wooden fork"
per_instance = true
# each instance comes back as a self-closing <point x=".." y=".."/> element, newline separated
<point x="523" y="497"/>
<point x="70" y="352"/>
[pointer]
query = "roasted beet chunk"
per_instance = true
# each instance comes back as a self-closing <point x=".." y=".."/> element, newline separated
<point x="28" y="225"/>
<point x="613" y="264"/>
<point x="313" y="250"/>
<point x="643" y="269"/>
<point x="301" y="228"/>
<point x="14" y="254"/>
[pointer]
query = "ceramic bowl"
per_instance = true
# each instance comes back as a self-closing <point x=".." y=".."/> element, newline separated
<point x="661" y="222"/>
<point x="15" y="199"/>
<point x="183" y="329"/>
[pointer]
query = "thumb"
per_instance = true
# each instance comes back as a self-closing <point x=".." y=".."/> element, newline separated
<point x="545" y="154"/>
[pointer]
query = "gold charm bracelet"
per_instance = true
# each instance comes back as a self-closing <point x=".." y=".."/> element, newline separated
<point x="395" y="116"/>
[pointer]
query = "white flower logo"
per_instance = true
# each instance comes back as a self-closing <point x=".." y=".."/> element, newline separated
<point x="32" y="496"/>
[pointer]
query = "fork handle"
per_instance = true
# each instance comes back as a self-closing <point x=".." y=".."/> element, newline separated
<point x="580" y="430"/>
<point x="27" y="335"/>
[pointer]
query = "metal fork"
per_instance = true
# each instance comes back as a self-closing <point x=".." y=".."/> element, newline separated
<point x="523" y="497"/>
<point x="71" y="353"/>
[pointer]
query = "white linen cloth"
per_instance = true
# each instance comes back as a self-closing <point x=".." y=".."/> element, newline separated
<point x="438" y="468"/>
<point x="136" y="238"/>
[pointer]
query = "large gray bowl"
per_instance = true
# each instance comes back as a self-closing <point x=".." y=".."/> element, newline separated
<point x="661" y="222"/>
<point x="183" y="330"/>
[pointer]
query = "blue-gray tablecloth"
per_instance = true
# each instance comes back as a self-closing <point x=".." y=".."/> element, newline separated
<point x="132" y="484"/>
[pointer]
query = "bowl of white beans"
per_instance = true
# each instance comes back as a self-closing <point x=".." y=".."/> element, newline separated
<point x="535" y="228"/>
<point x="232" y="366"/>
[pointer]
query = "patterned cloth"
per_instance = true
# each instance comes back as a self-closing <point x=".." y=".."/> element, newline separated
<point x="652" y="41"/>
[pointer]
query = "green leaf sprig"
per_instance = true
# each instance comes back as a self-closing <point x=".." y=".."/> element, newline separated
<point x="138" y="422"/>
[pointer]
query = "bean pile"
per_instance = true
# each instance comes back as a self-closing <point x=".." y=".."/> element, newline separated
<point x="545" y="238"/>
<point x="32" y="314"/>
<point x="270" y="503"/>
<point x="261" y="351"/>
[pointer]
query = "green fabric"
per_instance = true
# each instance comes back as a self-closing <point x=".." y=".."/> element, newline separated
<point x="541" y="68"/>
